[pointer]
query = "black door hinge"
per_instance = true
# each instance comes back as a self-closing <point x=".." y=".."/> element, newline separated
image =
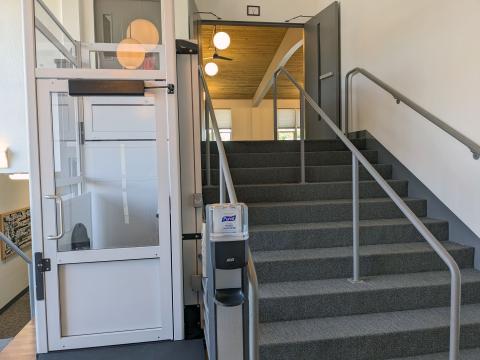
<point x="42" y="265"/>
<point x="195" y="236"/>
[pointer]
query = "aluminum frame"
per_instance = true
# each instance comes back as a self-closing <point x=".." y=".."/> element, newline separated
<point x="167" y="74"/>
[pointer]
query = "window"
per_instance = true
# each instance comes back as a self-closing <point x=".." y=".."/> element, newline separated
<point x="288" y="124"/>
<point x="224" y="120"/>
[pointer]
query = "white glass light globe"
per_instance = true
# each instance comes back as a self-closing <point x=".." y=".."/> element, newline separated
<point x="211" y="69"/>
<point x="221" y="40"/>
<point x="130" y="54"/>
<point x="145" y="32"/>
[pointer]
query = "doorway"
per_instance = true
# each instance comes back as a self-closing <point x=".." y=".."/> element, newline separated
<point x="106" y="217"/>
<point x="241" y="85"/>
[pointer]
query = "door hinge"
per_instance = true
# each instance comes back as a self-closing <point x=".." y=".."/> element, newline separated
<point x="81" y="127"/>
<point x="42" y="265"/>
<point x="196" y="282"/>
<point x="194" y="236"/>
<point x="197" y="200"/>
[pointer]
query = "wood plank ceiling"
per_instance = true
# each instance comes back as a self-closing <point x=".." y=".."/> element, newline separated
<point x="252" y="48"/>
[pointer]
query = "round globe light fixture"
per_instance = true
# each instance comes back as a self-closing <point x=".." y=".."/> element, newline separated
<point x="211" y="69"/>
<point x="130" y="54"/>
<point x="145" y="32"/>
<point x="221" y="40"/>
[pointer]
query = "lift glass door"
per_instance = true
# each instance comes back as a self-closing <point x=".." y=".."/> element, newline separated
<point x="104" y="204"/>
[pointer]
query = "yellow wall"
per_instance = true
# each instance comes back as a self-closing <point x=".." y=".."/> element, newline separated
<point x="253" y="123"/>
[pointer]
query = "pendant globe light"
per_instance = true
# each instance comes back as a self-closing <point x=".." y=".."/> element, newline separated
<point x="211" y="69"/>
<point x="145" y="32"/>
<point x="130" y="53"/>
<point x="221" y="40"/>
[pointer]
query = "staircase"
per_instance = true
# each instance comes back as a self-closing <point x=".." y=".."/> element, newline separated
<point x="301" y="237"/>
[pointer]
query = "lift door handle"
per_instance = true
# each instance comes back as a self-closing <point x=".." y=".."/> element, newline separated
<point x="59" y="204"/>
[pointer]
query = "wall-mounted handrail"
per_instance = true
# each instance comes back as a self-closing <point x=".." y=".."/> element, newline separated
<point x="400" y="98"/>
<point x="357" y="157"/>
<point x="226" y="183"/>
<point x="29" y="262"/>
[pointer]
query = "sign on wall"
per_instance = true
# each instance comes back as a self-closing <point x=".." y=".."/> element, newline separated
<point x="16" y="226"/>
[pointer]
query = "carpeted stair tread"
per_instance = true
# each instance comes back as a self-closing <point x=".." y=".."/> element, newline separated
<point x="345" y="251"/>
<point x="321" y="202"/>
<point x="350" y="337"/>
<point x="289" y="159"/>
<point x="291" y="212"/>
<point x="288" y="174"/>
<point x="339" y="233"/>
<point x="281" y="146"/>
<point x="379" y="282"/>
<point x="290" y="186"/>
<point x="470" y="354"/>
<point x="310" y="191"/>
<point x="254" y="229"/>
<point x="296" y="300"/>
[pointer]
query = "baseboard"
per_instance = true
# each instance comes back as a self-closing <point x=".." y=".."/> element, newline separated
<point x="458" y="231"/>
<point x="14" y="300"/>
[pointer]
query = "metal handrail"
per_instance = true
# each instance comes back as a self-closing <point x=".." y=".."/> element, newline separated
<point x="253" y="319"/>
<point x="400" y="98"/>
<point x="56" y="21"/>
<point x="29" y="262"/>
<point x="226" y="183"/>
<point x="357" y="157"/>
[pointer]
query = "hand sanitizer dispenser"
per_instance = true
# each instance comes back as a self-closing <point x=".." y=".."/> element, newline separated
<point x="226" y="248"/>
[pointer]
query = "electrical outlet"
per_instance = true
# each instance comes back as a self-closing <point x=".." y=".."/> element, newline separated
<point x="253" y="10"/>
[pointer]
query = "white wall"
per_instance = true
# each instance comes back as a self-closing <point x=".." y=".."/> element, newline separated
<point x="428" y="50"/>
<point x="13" y="126"/>
<point x="182" y="20"/>
<point x="271" y="10"/>
<point x="13" y="272"/>
<point x="253" y="123"/>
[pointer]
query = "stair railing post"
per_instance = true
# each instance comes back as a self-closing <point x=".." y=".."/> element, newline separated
<point x="302" y="138"/>
<point x="207" y="144"/>
<point x="275" y="107"/>
<point x="356" y="219"/>
<point x="455" y="305"/>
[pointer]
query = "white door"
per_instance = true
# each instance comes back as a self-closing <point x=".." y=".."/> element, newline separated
<point x="106" y="218"/>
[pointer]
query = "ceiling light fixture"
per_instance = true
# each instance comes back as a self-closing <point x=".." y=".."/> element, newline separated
<point x="130" y="53"/>
<point x="221" y="40"/>
<point x="211" y="69"/>
<point x="145" y="32"/>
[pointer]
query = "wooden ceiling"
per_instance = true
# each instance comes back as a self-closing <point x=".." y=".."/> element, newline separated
<point x="252" y="48"/>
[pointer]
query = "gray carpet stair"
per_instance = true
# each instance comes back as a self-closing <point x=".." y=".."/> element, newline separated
<point x="471" y="354"/>
<point x="301" y="238"/>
